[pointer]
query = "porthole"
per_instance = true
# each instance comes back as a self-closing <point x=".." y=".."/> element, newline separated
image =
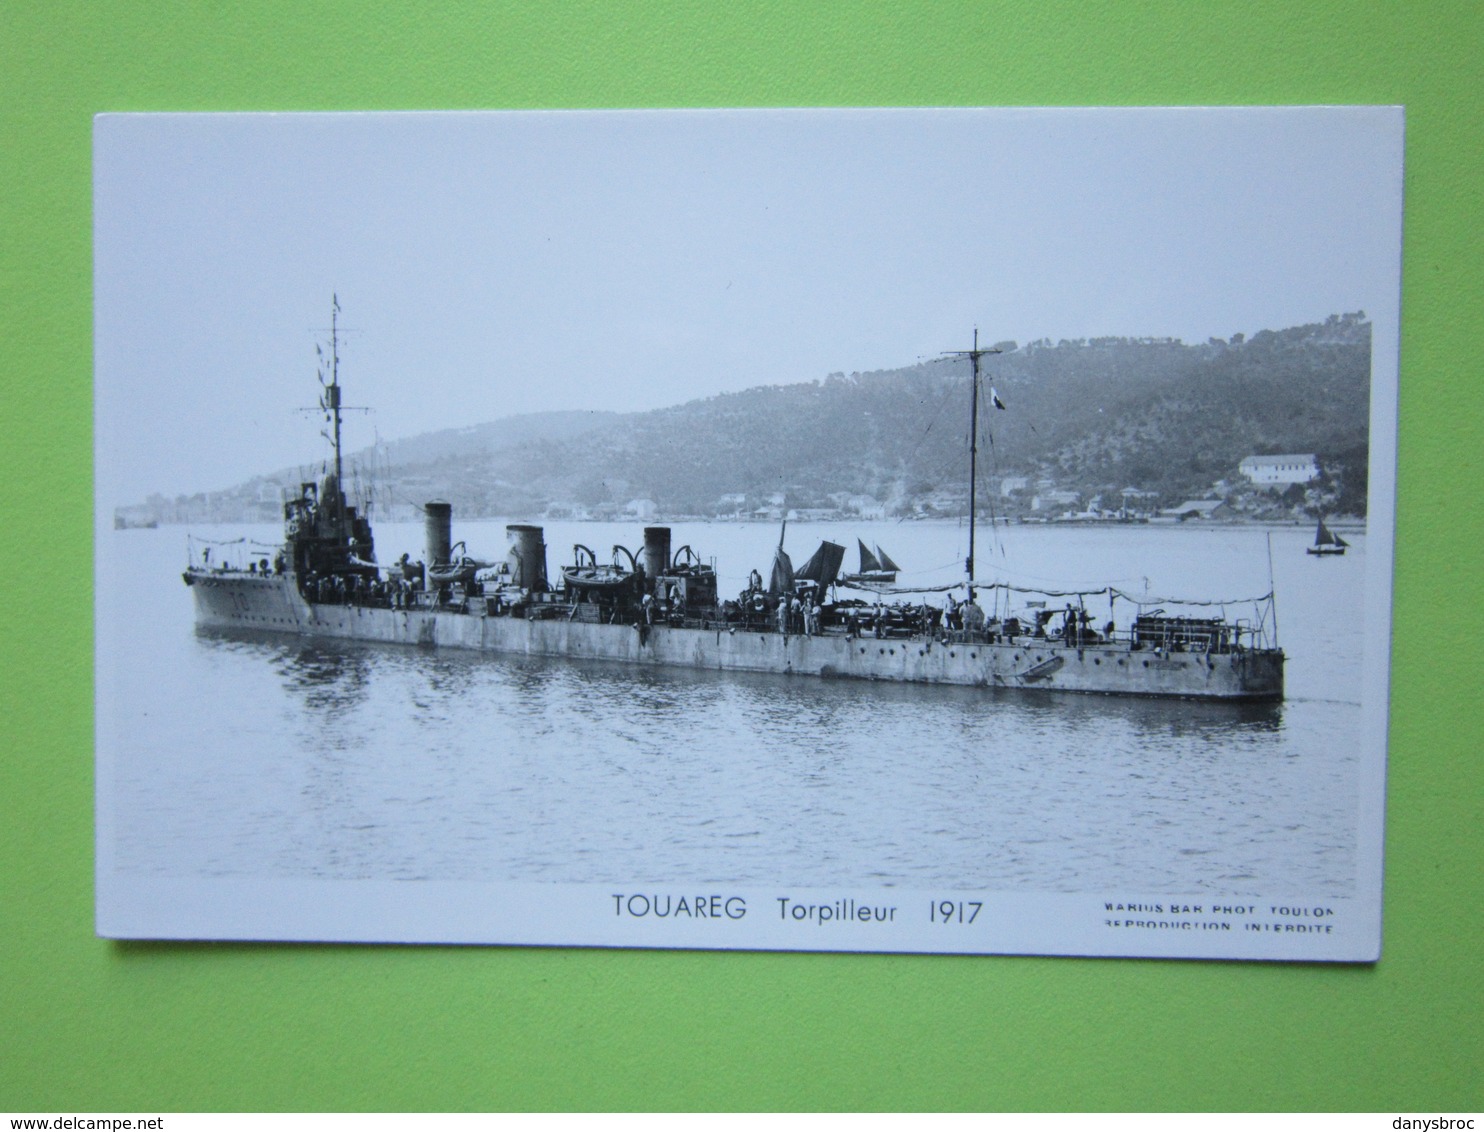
<point x="1146" y="664"/>
<point x="973" y="656"/>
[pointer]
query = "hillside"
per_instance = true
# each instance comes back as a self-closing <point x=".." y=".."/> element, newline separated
<point x="1083" y="418"/>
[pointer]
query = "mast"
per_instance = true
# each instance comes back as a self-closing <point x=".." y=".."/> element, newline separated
<point x="334" y="402"/>
<point x="973" y="355"/>
<point x="330" y="404"/>
<point x="1272" y="593"/>
<point x="973" y="459"/>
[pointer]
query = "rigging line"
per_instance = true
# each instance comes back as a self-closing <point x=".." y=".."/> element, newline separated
<point x="1101" y="591"/>
<point x="397" y="497"/>
<point x="1148" y="599"/>
<point x="994" y="517"/>
<point x="949" y="464"/>
<point x="943" y="399"/>
<point x="994" y="471"/>
<point x="1129" y="580"/>
<point x="931" y="569"/>
<point x="944" y="396"/>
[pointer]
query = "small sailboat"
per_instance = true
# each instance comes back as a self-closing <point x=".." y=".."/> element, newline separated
<point x="1327" y="542"/>
<point x="876" y="569"/>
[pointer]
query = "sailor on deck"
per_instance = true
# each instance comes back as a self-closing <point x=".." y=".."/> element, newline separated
<point x="973" y="616"/>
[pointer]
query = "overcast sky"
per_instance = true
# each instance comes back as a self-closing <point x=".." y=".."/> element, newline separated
<point x="502" y="263"/>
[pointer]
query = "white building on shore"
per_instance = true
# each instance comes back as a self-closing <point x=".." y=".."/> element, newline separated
<point x="1269" y="471"/>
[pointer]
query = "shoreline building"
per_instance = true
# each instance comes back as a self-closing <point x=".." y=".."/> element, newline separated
<point x="1270" y="471"/>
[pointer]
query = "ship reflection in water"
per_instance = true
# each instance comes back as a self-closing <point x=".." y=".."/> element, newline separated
<point x="333" y="676"/>
<point x="273" y="755"/>
<point x="440" y="764"/>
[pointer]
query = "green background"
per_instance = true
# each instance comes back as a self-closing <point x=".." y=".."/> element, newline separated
<point x="92" y="1025"/>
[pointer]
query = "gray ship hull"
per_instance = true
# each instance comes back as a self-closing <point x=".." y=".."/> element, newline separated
<point x="272" y="602"/>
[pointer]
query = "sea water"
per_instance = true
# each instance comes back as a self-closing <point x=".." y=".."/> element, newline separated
<point x="275" y="756"/>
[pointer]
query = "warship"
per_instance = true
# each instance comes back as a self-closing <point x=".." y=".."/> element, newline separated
<point x="661" y="606"/>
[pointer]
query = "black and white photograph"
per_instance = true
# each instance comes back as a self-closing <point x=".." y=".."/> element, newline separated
<point x="941" y="530"/>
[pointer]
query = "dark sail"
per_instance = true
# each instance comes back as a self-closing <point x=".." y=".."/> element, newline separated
<point x="823" y="566"/>
<point x="886" y="562"/>
<point x="781" y="578"/>
<point x="1327" y="542"/>
<point x="869" y="564"/>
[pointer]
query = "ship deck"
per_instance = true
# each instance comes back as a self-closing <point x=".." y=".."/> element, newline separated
<point x="271" y="602"/>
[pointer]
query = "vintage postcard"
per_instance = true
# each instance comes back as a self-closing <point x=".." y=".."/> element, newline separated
<point x="838" y="530"/>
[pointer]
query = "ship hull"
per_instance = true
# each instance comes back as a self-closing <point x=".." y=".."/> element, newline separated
<point x="231" y="600"/>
